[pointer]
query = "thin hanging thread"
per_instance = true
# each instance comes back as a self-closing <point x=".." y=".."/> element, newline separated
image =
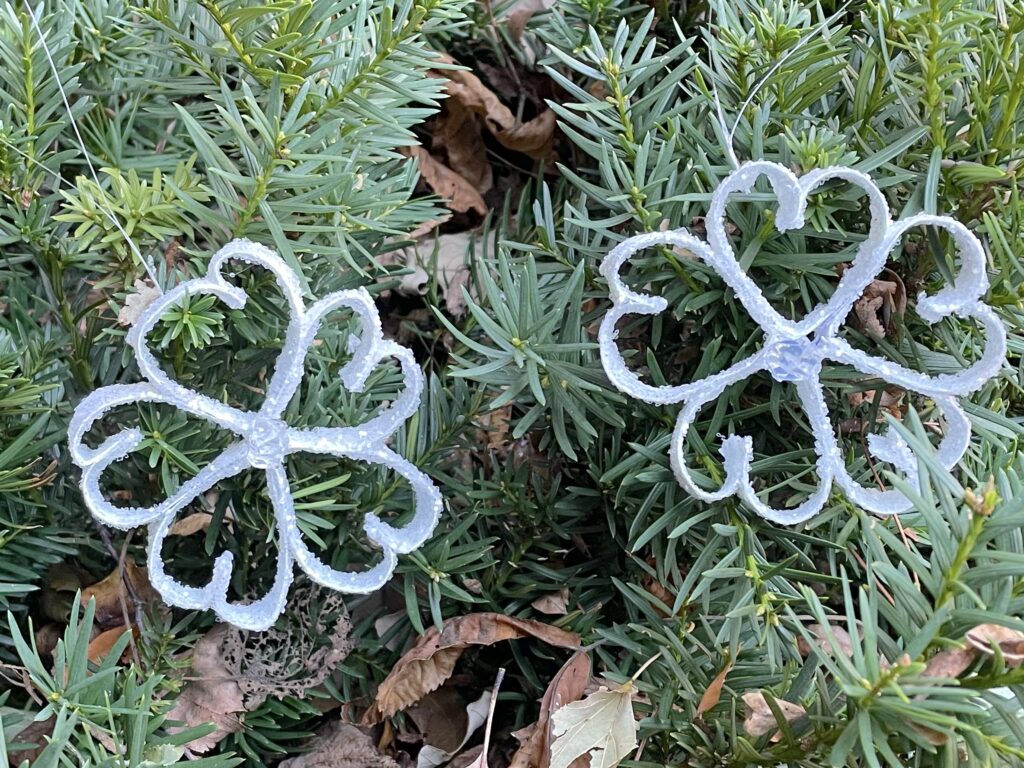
<point x="150" y="268"/>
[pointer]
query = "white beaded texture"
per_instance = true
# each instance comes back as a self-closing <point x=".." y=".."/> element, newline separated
<point x="795" y="351"/>
<point x="265" y="441"/>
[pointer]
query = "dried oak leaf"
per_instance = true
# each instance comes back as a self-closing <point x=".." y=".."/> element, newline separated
<point x="431" y="661"/>
<point x="567" y="686"/>
<point x="761" y="720"/>
<point x="461" y="196"/>
<point x="456" y="136"/>
<point x="1009" y="641"/>
<point x="340" y="745"/>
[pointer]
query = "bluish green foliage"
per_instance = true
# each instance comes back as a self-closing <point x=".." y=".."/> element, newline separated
<point x="286" y="123"/>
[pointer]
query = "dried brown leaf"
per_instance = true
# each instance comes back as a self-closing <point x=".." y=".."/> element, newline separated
<point x="843" y="643"/>
<point x="119" y="593"/>
<point x="520" y="14"/>
<point x="461" y="196"/>
<point x="567" y="686"/>
<point x="761" y="720"/>
<point x="457" y="136"/>
<point x="1009" y="641"/>
<point x="430" y="662"/>
<point x="713" y="692"/>
<point x="533" y="138"/>
<point x="553" y="603"/>
<point x="882" y="301"/>
<point x="102" y="644"/>
<point x="194" y="523"/>
<point x="212" y="695"/>
<point x="950" y="663"/>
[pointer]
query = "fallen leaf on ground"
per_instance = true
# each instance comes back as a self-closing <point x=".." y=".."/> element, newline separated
<point x="101" y="645"/>
<point x="134" y="303"/>
<point x="553" y="603"/>
<point x="234" y="671"/>
<point x="950" y="663"/>
<point x="447" y="259"/>
<point x="212" y="695"/>
<point x="194" y="523"/>
<point x="460" y="195"/>
<point x="533" y="137"/>
<point x="602" y="725"/>
<point x="456" y="136"/>
<point x="119" y="593"/>
<point x="520" y="14"/>
<point x="339" y="745"/>
<point x="840" y="642"/>
<point x="567" y="686"/>
<point x="1009" y="641"/>
<point x="760" y="718"/>
<point x="713" y="693"/>
<point x="431" y="661"/>
<point x="882" y="301"/>
<point x="445" y="732"/>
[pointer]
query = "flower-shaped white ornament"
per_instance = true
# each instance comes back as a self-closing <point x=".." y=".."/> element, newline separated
<point x="795" y="351"/>
<point x="265" y="441"/>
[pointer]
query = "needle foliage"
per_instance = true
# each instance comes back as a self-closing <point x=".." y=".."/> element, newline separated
<point x="142" y="136"/>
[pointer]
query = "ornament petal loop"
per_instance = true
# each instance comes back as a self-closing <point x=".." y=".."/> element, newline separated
<point x="266" y="441"/>
<point x="795" y="351"/>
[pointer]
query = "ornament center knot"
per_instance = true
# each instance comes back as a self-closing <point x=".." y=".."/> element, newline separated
<point x="267" y="441"/>
<point x="794" y="359"/>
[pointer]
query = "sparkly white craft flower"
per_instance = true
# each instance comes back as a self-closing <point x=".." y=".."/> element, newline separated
<point x="265" y="440"/>
<point x="795" y="351"/>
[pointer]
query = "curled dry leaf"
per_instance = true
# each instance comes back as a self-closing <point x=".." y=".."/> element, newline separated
<point x="194" y="523"/>
<point x="460" y="195"/>
<point x="1009" y="641"/>
<point x="432" y="659"/>
<point x="553" y="603"/>
<point x="533" y="138"/>
<point x="568" y="685"/>
<point x="602" y="726"/>
<point x="340" y="745"/>
<point x="103" y="643"/>
<point x="882" y="302"/>
<point x="761" y="720"/>
<point x="520" y="13"/>
<point x="446" y="723"/>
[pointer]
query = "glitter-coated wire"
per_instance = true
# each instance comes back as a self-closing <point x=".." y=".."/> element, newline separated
<point x="794" y="351"/>
<point x="265" y="441"/>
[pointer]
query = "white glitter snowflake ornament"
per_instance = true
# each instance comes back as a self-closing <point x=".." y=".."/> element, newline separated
<point x="795" y="351"/>
<point x="265" y="441"/>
